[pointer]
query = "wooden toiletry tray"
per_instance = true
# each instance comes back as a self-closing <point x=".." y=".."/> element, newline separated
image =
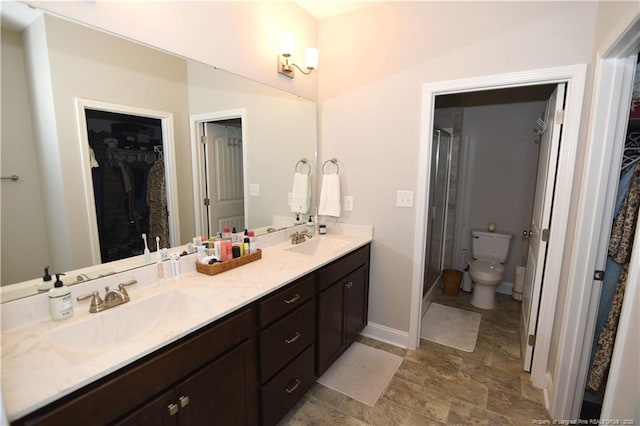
<point x="218" y="268"/>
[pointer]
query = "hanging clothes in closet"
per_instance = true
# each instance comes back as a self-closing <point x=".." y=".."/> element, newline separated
<point x="619" y="255"/>
<point x="157" y="202"/>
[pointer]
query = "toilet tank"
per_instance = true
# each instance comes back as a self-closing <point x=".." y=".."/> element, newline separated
<point x="490" y="246"/>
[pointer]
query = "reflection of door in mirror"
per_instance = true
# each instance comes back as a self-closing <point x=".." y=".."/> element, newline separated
<point x="127" y="169"/>
<point x="224" y="182"/>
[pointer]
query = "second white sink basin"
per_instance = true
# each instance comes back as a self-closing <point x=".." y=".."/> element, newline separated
<point x="106" y="329"/>
<point x="312" y="246"/>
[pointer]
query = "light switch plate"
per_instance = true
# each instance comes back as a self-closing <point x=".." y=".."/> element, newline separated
<point x="254" y="189"/>
<point x="404" y="198"/>
<point x="348" y="203"/>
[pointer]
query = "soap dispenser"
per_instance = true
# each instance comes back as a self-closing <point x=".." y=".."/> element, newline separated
<point x="311" y="227"/>
<point x="60" y="303"/>
<point x="46" y="283"/>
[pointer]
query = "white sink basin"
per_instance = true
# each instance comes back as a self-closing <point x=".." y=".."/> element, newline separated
<point x="122" y="323"/>
<point x="316" y="244"/>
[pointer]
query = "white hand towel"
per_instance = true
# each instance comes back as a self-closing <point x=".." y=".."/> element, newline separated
<point x="330" y="196"/>
<point x="300" y="193"/>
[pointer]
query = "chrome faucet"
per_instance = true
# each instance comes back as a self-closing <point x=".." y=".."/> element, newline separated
<point x="299" y="237"/>
<point x="111" y="298"/>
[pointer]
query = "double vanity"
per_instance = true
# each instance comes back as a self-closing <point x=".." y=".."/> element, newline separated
<point x="240" y="347"/>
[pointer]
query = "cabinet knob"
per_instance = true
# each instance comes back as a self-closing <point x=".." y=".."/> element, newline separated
<point x="184" y="401"/>
<point x="173" y="409"/>
<point x="294" y="338"/>
<point x="294" y="299"/>
<point x="294" y="387"/>
<point x="349" y="284"/>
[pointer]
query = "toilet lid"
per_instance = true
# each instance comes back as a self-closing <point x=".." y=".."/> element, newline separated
<point x="486" y="267"/>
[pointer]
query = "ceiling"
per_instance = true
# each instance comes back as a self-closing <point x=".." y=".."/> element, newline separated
<point x="321" y="9"/>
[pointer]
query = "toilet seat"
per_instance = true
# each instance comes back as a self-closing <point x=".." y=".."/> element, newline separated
<point x="486" y="270"/>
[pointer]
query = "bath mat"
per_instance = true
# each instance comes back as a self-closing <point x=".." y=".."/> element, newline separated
<point x="362" y="373"/>
<point x="451" y="327"/>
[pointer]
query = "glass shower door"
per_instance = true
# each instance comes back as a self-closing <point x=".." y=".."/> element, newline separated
<point x="438" y="193"/>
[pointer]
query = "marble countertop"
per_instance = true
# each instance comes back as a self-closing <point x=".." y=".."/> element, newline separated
<point x="37" y="369"/>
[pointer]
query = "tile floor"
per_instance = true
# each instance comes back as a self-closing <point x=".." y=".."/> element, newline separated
<point x="440" y="385"/>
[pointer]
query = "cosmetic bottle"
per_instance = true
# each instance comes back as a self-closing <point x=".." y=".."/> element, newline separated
<point x="253" y="243"/>
<point x="226" y="233"/>
<point x="47" y="283"/>
<point x="247" y="246"/>
<point x="311" y="227"/>
<point x="60" y="303"/>
<point x="160" y="269"/>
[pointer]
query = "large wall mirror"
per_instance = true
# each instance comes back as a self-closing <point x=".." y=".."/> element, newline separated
<point x="58" y="76"/>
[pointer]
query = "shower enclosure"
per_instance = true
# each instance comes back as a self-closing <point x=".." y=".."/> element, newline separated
<point x="438" y="196"/>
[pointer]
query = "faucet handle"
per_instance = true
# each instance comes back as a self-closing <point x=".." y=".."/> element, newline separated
<point x="123" y="290"/>
<point x="96" y="301"/>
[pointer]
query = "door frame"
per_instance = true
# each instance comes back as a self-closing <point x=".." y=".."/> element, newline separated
<point x="169" y="153"/>
<point x="197" y="161"/>
<point x="613" y="83"/>
<point x="574" y="76"/>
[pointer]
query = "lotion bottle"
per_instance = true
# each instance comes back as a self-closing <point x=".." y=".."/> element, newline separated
<point x="60" y="303"/>
<point x="46" y="283"/>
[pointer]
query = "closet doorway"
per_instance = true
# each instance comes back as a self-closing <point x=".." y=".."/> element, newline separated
<point x="129" y="179"/>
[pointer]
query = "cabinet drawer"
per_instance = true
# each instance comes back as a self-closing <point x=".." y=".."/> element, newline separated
<point x="342" y="267"/>
<point x="287" y="387"/>
<point x="286" y="300"/>
<point x="285" y="339"/>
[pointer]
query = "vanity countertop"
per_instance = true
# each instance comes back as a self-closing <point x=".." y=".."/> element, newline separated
<point x="36" y="372"/>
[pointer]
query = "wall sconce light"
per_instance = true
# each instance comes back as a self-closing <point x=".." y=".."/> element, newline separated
<point x="285" y="64"/>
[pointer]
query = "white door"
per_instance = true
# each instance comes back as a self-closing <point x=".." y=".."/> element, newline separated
<point x="538" y="234"/>
<point x="224" y="177"/>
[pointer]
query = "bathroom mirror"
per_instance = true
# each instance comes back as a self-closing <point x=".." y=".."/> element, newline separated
<point x="279" y="129"/>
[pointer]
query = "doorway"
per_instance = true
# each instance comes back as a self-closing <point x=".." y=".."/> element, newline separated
<point x="127" y="134"/>
<point x="219" y="156"/>
<point x="574" y="76"/>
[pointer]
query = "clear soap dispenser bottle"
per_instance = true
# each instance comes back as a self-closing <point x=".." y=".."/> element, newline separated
<point x="60" y="303"/>
<point x="47" y="283"/>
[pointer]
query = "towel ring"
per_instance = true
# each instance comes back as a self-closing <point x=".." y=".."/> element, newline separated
<point x="303" y="162"/>
<point x="334" y="161"/>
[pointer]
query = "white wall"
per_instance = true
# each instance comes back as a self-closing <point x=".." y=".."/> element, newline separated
<point x="23" y="229"/>
<point x="375" y="62"/>
<point x="502" y="172"/>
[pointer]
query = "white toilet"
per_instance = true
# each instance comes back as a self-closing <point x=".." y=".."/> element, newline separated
<point x="487" y="272"/>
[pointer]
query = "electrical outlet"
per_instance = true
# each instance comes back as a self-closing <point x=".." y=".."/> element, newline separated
<point x="348" y="203"/>
<point x="404" y="198"/>
<point x="254" y="189"/>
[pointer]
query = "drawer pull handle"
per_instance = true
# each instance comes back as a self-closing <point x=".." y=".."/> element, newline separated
<point x="294" y="338"/>
<point x="294" y="299"/>
<point x="184" y="401"/>
<point x="294" y="387"/>
<point x="173" y="409"/>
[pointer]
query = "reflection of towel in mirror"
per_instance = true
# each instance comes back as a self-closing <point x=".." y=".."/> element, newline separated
<point x="300" y="193"/>
<point x="330" y="196"/>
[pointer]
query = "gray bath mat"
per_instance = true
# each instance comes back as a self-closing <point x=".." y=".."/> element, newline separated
<point x="451" y="327"/>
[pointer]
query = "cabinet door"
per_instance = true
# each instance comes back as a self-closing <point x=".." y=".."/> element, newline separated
<point x="222" y="393"/>
<point x="159" y="412"/>
<point x="330" y="325"/>
<point x="357" y="295"/>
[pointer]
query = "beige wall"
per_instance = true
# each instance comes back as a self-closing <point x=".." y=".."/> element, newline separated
<point x="279" y="130"/>
<point x="23" y="229"/>
<point x="241" y="37"/>
<point x="136" y="76"/>
<point x="375" y="62"/>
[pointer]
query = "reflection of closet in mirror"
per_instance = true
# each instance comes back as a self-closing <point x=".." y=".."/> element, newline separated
<point x="127" y="170"/>
<point x="223" y="177"/>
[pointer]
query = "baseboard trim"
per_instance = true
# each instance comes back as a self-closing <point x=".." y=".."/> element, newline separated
<point x="387" y="335"/>
<point x="547" y="392"/>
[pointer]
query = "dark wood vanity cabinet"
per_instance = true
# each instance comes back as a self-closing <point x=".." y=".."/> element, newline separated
<point x="204" y="379"/>
<point x="287" y="336"/>
<point x="248" y="368"/>
<point x="343" y="294"/>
